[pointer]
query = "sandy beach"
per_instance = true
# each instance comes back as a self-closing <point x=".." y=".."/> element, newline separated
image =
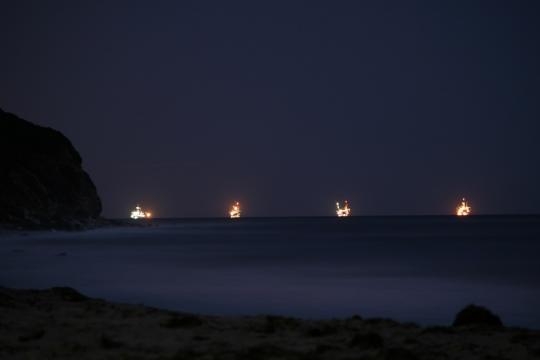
<point x="61" y="323"/>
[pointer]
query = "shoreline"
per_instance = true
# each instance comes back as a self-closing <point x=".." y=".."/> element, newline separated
<point x="61" y="323"/>
<point x="101" y="223"/>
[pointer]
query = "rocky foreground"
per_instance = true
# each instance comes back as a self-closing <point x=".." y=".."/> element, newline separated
<point x="60" y="323"/>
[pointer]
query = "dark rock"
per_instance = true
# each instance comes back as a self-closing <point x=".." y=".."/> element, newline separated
<point x="42" y="183"/>
<point x="477" y="315"/>
<point x="200" y="338"/>
<point x="325" y="348"/>
<point x="185" y="321"/>
<point x="322" y="330"/>
<point x="367" y="341"/>
<point x="279" y="323"/>
<point x="265" y="351"/>
<point x="32" y="335"/>
<point x="438" y="330"/>
<point x="399" y="354"/>
<point x="381" y="321"/>
<point x="525" y="337"/>
<point x="7" y="300"/>
<point x="68" y="294"/>
<point x="109" y="343"/>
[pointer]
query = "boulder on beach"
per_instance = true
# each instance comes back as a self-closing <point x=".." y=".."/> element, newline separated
<point x="42" y="182"/>
<point x="477" y="315"/>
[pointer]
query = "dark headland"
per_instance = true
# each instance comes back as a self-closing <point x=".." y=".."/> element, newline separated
<point x="43" y="185"/>
<point x="42" y="182"/>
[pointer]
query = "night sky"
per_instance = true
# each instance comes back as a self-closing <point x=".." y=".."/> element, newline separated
<point x="401" y="107"/>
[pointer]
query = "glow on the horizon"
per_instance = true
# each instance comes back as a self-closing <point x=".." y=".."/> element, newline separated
<point x="343" y="211"/>
<point x="235" y="211"/>
<point x="463" y="209"/>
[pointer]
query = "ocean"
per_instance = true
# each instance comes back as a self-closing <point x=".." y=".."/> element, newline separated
<point x="421" y="269"/>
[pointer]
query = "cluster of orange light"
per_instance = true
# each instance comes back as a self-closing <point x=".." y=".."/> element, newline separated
<point x="463" y="209"/>
<point x="235" y="211"/>
<point x="343" y="211"/>
<point x="139" y="214"/>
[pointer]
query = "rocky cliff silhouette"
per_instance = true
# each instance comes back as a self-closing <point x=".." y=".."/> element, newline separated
<point x="42" y="183"/>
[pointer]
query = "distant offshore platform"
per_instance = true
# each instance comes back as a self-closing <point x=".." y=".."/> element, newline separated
<point x="235" y="211"/>
<point x="343" y="211"/>
<point x="138" y="213"/>
<point x="463" y="209"/>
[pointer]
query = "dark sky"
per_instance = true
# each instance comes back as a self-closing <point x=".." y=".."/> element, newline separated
<point x="402" y="107"/>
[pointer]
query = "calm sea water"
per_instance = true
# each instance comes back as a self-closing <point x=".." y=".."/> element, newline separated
<point x="421" y="269"/>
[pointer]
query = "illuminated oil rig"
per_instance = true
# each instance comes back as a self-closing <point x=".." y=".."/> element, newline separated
<point x="343" y="211"/>
<point x="235" y="211"/>
<point x="139" y="214"/>
<point x="463" y="209"/>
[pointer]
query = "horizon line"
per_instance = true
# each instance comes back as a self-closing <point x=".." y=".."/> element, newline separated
<point x="322" y="216"/>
